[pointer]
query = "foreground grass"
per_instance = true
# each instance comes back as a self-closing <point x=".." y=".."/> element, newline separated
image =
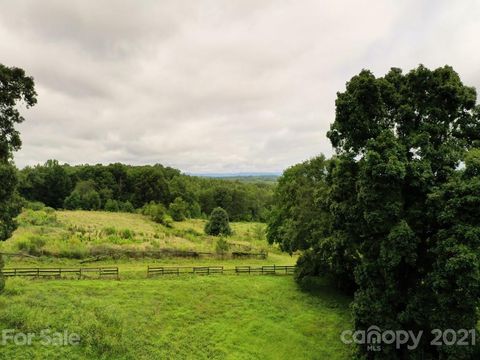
<point x="190" y="317"/>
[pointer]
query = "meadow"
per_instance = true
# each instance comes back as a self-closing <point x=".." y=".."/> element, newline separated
<point x="49" y="235"/>
<point x="166" y="317"/>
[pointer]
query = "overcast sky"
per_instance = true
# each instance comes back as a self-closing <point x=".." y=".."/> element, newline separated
<point x="213" y="86"/>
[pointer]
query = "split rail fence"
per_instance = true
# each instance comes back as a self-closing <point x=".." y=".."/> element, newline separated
<point x="101" y="272"/>
<point x="60" y="272"/>
<point x="210" y="270"/>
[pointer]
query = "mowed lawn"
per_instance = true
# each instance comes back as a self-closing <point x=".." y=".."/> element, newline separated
<point x="186" y="317"/>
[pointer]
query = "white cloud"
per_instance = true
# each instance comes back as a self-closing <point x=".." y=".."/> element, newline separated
<point x="210" y="85"/>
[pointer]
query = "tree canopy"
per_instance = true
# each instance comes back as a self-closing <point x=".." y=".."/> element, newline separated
<point x="401" y="201"/>
<point x="119" y="186"/>
<point x="15" y="88"/>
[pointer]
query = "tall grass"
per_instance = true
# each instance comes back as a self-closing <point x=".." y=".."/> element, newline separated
<point x="82" y="234"/>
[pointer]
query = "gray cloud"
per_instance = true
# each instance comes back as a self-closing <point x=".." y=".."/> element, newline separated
<point x="212" y="85"/>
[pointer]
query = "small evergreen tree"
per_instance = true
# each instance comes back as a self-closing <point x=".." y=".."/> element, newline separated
<point x="218" y="223"/>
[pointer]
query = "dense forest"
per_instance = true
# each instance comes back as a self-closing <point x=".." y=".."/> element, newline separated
<point x="119" y="187"/>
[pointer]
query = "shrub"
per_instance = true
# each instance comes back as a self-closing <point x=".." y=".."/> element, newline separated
<point x="127" y="207"/>
<point x="222" y="246"/>
<point x="178" y="209"/>
<point x="218" y="223"/>
<point x="156" y="212"/>
<point x="259" y="231"/>
<point x="126" y="234"/>
<point x="112" y="205"/>
<point x="46" y="216"/>
<point x="195" y="210"/>
<point x="34" y="205"/>
<point x="32" y="245"/>
<point x="109" y="231"/>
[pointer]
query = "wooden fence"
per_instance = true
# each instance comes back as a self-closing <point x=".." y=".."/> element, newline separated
<point x="60" y="272"/>
<point x="151" y="271"/>
<point x="211" y="270"/>
<point x="269" y="269"/>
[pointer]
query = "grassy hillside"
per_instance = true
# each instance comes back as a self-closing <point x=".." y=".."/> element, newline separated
<point x="167" y="317"/>
<point x="216" y="317"/>
<point x="83" y="234"/>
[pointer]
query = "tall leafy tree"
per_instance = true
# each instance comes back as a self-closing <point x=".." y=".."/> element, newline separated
<point x="15" y="88"/>
<point x="48" y="183"/>
<point x="405" y="209"/>
<point x="298" y="218"/>
<point x="84" y="197"/>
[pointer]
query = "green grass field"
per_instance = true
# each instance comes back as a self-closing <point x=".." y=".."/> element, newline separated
<point x="167" y="317"/>
<point x="82" y="234"/>
<point x="209" y="317"/>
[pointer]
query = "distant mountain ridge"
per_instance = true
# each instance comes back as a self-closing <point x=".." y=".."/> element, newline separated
<point x="238" y="174"/>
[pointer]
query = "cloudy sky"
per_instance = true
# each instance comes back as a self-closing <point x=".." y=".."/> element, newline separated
<point x="213" y="86"/>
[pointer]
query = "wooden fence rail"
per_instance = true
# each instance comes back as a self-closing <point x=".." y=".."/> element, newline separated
<point x="60" y="272"/>
<point x="151" y="271"/>
<point x="210" y="270"/>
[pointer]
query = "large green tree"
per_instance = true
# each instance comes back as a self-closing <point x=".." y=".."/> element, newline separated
<point x="299" y="218"/>
<point x="15" y="88"/>
<point x="403" y="138"/>
<point x="48" y="183"/>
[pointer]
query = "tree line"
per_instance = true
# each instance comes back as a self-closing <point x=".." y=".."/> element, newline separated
<point x="394" y="217"/>
<point x="119" y="187"/>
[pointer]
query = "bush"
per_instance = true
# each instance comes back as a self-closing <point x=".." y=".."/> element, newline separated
<point x="34" y="205"/>
<point x="222" y="246"/>
<point x="259" y="231"/>
<point x="127" y="207"/>
<point x="156" y="212"/>
<point x="195" y="210"/>
<point x="112" y="205"/>
<point x="32" y="245"/>
<point x="178" y="209"/>
<point x="46" y="216"/>
<point x="109" y="231"/>
<point x="126" y="234"/>
<point x="218" y="223"/>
